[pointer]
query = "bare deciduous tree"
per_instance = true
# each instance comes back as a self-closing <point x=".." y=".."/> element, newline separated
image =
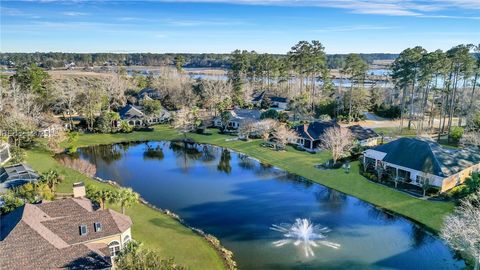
<point x="265" y="127"/>
<point x="337" y="140"/>
<point x="283" y="135"/>
<point x="185" y="121"/>
<point x="461" y="229"/>
<point x="115" y="87"/>
<point x="246" y="129"/>
<point x="471" y="138"/>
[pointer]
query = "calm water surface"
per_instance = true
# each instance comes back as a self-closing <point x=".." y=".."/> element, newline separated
<point x="238" y="199"/>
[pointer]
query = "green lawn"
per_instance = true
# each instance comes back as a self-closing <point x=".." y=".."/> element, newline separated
<point x="151" y="227"/>
<point x="427" y="213"/>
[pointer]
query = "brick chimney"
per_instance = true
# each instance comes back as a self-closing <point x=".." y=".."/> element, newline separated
<point x="79" y="190"/>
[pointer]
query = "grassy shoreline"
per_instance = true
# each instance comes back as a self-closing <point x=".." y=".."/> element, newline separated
<point x="155" y="229"/>
<point x="427" y="213"/>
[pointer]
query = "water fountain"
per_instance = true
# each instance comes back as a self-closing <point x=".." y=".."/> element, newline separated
<point x="305" y="234"/>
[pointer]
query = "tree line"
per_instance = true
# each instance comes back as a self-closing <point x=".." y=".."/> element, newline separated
<point x="210" y="60"/>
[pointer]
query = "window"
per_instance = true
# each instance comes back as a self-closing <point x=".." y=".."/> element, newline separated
<point x="114" y="248"/>
<point x="83" y="230"/>
<point x="126" y="239"/>
<point x="97" y="226"/>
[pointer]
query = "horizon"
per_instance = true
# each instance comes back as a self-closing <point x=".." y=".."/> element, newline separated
<point x="218" y="27"/>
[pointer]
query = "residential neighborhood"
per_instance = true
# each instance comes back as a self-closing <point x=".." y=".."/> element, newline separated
<point x="252" y="135"/>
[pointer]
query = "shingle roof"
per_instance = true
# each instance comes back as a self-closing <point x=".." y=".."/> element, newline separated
<point x="130" y="112"/>
<point x="428" y="156"/>
<point x="278" y="99"/>
<point x="314" y="130"/>
<point x="362" y="133"/>
<point x="46" y="236"/>
<point x="259" y="97"/>
<point x="244" y="114"/>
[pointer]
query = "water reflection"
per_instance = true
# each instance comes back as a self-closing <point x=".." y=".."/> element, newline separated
<point x="237" y="199"/>
<point x="186" y="154"/>
<point x="153" y="152"/>
<point x="331" y="198"/>
<point x="224" y="162"/>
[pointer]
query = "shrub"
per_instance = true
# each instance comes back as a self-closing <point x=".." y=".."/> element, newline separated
<point x="125" y="127"/>
<point x="387" y="111"/>
<point x="17" y="155"/>
<point x="456" y="133"/>
<point x="271" y="114"/>
<point x="10" y="202"/>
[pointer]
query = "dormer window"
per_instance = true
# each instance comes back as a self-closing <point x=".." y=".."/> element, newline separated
<point x="83" y="230"/>
<point x="97" y="226"/>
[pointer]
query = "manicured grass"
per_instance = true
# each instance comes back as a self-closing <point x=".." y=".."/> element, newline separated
<point x="154" y="229"/>
<point x="428" y="213"/>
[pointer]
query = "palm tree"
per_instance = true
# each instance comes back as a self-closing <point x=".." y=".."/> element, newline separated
<point x="51" y="178"/>
<point x="126" y="197"/>
<point x="101" y="196"/>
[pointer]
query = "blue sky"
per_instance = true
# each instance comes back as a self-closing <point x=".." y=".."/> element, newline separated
<point x="221" y="26"/>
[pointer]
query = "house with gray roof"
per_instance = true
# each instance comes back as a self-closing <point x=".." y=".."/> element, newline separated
<point x="415" y="161"/>
<point x="364" y="136"/>
<point x="62" y="234"/>
<point x="135" y="116"/>
<point x="237" y="117"/>
<point x="309" y="134"/>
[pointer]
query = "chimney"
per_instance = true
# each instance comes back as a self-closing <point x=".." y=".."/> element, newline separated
<point x="78" y="190"/>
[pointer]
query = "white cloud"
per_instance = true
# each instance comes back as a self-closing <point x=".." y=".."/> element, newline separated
<point x="379" y="7"/>
<point x="74" y="13"/>
<point x="352" y="28"/>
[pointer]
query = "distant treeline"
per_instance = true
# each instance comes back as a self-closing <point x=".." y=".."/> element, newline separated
<point x="58" y="59"/>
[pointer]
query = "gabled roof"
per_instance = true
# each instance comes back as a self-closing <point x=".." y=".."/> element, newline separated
<point x="46" y="235"/>
<point x="362" y="133"/>
<point x="146" y="91"/>
<point x="428" y="156"/>
<point x="258" y="97"/>
<point x="278" y="99"/>
<point x="313" y="131"/>
<point x="244" y="114"/>
<point x="131" y="111"/>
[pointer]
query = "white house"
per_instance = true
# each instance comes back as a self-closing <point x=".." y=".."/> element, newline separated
<point x="135" y="117"/>
<point x="237" y="117"/>
<point x="417" y="160"/>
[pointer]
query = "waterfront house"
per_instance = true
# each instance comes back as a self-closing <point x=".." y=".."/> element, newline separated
<point x="364" y="136"/>
<point x="135" y="116"/>
<point x="415" y="161"/>
<point x="63" y="234"/>
<point x="236" y="117"/>
<point x="309" y="134"/>
<point x="16" y="175"/>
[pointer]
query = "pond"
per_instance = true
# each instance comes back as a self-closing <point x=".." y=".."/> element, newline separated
<point x="250" y="207"/>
